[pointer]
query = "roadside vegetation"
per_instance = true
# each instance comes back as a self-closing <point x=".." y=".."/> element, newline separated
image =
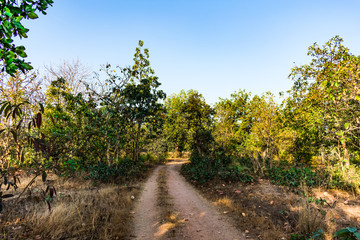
<point x="75" y="144"/>
<point x="309" y="140"/>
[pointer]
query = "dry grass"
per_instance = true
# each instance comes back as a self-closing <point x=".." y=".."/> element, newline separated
<point x="96" y="214"/>
<point x="267" y="211"/>
<point x="225" y="201"/>
<point x="311" y="217"/>
<point x="79" y="211"/>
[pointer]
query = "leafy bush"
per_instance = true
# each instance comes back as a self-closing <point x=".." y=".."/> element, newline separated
<point x="204" y="168"/>
<point x="124" y="169"/>
<point x="236" y="173"/>
<point x="348" y="233"/>
<point x="346" y="178"/>
<point x="199" y="169"/>
<point x="295" y="176"/>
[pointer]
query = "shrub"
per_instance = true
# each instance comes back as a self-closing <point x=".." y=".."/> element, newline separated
<point x="126" y="169"/>
<point x="204" y="168"/>
<point x="236" y="173"/>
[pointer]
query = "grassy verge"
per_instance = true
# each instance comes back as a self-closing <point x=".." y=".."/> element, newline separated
<point x="80" y="209"/>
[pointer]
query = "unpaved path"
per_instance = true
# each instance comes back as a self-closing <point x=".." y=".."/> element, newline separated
<point x="199" y="219"/>
<point x="146" y="211"/>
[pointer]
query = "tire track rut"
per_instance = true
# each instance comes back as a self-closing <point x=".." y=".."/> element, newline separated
<point x="190" y="215"/>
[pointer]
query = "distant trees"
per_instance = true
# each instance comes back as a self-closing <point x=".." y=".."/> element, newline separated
<point x="317" y="122"/>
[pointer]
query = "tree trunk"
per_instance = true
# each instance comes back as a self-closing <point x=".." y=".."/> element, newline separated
<point x="136" y="143"/>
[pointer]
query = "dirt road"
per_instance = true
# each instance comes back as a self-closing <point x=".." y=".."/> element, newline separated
<point x="170" y="208"/>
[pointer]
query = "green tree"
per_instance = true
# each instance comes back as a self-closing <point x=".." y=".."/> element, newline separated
<point x="11" y="14"/>
<point x="141" y="97"/>
<point x="231" y="121"/>
<point x="265" y="127"/>
<point x="175" y="126"/>
<point x="189" y="122"/>
<point x="330" y="85"/>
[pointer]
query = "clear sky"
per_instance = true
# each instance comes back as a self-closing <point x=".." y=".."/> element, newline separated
<point x="214" y="46"/>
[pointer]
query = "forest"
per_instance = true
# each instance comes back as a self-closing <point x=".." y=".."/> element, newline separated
<point x="107" y="130"/>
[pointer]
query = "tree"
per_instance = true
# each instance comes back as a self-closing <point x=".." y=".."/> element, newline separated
<point x="265" y="126"/>
<point x="175" y="126"/>
<point x="75" y="73"/>
<point x="331" y="85"/>
<point x="20" y="97"/>
<point x="189" y="122"/>
<point x="12" y="12"/>
<point x="141" y="98"/>
<point x="231" y="121"/>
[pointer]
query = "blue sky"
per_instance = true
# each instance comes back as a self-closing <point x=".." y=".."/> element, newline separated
<point x="214" y="46"/>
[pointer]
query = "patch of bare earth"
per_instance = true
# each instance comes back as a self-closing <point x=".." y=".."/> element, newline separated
<point x="266" y="211"/>
<point x="174" y="210"/>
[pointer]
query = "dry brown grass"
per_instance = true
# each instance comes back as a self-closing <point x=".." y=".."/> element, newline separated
<point x="96" y="214"/>
<point x="267" y="211"/>
<point x="225" y="201"/>
<point x="79" y="211"/>
<point x="311" y="217"/>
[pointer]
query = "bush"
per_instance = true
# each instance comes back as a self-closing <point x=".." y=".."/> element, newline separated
<point x="204" y="168"/>
<point x="295" y="176"/>
<point x="126" y="169"/>
<point x="199" y="169"/>
<point x="345" y="178"/>
<point x="236" y="173"/>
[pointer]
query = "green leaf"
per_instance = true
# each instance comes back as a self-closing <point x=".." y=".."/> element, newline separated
<point x="347" y="125"/>
<point x="33" y="15"/>
<point x="352" y="229"/>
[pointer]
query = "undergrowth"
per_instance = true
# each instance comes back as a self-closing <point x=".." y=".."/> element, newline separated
<point x="202" y="169"/>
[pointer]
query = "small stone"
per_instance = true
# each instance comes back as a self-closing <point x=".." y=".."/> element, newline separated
<point x="244" y="215"/>
<point x="132" y="197"/>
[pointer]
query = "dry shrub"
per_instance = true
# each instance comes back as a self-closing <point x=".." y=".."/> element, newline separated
<point x="311" y="217"/>
<point x="86" y="214"/>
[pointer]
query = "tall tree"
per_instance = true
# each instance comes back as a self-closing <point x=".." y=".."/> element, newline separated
<point x="330" y="84"/>
<point x="141" y="96"/>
